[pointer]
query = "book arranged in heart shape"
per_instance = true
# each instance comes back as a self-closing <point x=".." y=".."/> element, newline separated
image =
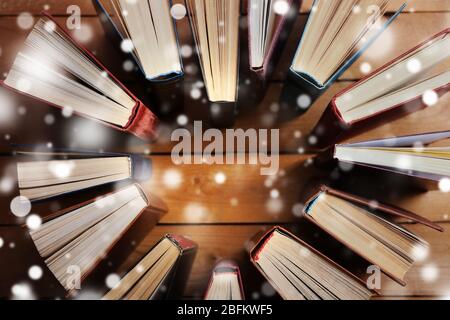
<point x="150" y="28"/>
<point x="404" y="157"/>
<point x="161" y="273"/>
<point x="298" y="271"/>
<point x="225" y="282"/>
<point x="53" y="68"/>
<point x="410" y="82"/>
<point x="215" y="26"/>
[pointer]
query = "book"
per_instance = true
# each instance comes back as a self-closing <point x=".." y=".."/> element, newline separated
<point x="225" y="282"/>
<point x="151" y="29"/>
<point x="78" y="247"/>
<point x="37" y="176"/>
<point x="161" y="274"/>
<point x="215" y="27"/>
<point x="336" y="34"/>
<point x="269" y="24"/>
<point x="53" y="68"/>
<point x="396" y="89"/>
<point x="297" y="271"/>
<point x="364" y="227"/>
<point x="402" y="157"/>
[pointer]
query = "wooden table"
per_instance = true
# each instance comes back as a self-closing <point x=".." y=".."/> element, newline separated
<point x="223" y="217"/>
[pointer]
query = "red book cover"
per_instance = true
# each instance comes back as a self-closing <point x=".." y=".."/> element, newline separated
<point x="142" y="122"/>
<point x="332" y="127"/>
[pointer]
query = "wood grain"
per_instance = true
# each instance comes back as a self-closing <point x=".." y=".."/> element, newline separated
<point x="244" y="197"/>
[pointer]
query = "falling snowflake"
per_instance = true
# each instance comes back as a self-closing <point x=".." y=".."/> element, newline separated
<point x="20" y="206"/>
<point x="178" y="11"/>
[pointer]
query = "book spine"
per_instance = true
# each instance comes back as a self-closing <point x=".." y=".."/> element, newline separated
<point x="143" y="122"/>
<point x="329" y="129"/>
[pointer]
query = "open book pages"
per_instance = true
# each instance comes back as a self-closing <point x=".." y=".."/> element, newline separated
<point x="425" y="69"/>
<point x="215" y="24"/>
<point x="146" y="277"/>
<point x="50" y="67"/>
<point x="335" y="31"/>
<point x="43" y="179"/>
<point x="83" y="236"/>
<point x="224" y="286"/>
<point x="150" y="27"/>
<point x="298" y="273"/>
<point x="433" y="161"/>
<point x="387" y="245"/>
<point x="263" y="23"/>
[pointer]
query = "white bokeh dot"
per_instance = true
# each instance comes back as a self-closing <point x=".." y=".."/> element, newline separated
<point x="35" y="272"/>
<point x="127" y="45"/>
<point x="112" y="280"/>
<point x="20" y="206"/>
<point x="34" y="221"/>
<point x="178" y="11"/>
<point x="220" y="178"/>
<point x="2" y="242"/>
<point x="25" y="20"/>
<point x="196" y="93"/>
<point x="67" y="111"/>
<point x="274" y="193"/>
<point x="414" y="65"/>
<point x="186" y="51"/>
<point x="444" y="185"/>
<point x="304" y="101"/>
<point x="281" y="7"/>
<point x="182" y="120"/>
<point x="429" y="273"/>
<point x="430" y="98"/>
<point x="365" y="67"/>
<point x="128" y="65"/>
<point x="172" y="178"/>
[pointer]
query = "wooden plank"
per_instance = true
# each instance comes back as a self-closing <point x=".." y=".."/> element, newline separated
<point x="229" y="242"/>
<point x="55" y="7"/>
<point x="413" y="5"/>
<point x="404" y="33"/>
<point x="245" y="196"/>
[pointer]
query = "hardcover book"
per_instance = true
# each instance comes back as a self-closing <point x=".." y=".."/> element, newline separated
<point x="364" y="227"/>
<point x="396" y="89"/>
<point x="53" y="68"/>
<point x="297" y="271"/>
<point x="225" y="282"/>
<point x="336" y="34"/>
<point x="407" y="158"/>
<point x="161" y="274"/>
<point x="78" y="247"/>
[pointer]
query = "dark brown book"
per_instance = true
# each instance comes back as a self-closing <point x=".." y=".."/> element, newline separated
<point x="161" y="274"/>
<point x="225" y="282"/>
<point x="367" y="228"/>
<point x="43" y="177"/>
<point x="296" y="270"/>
